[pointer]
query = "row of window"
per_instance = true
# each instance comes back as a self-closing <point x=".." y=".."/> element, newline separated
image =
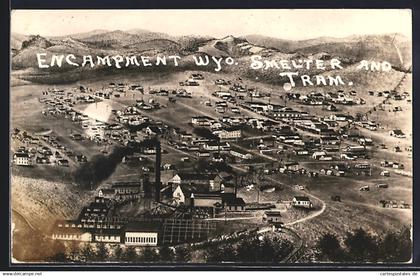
<point x="302" y="202"/>
<point x="23" y="161"/>
<point x="67" y="236"/>
<point x="141" y="239"/>
<point x="114" y="238"/>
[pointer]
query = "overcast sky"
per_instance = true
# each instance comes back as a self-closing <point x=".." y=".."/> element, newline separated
<point x="287" y="24"/>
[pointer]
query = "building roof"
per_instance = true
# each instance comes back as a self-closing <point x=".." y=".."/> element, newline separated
<point x="188" y="189"/>
<point x="257" y="103"/>
<point x="232" y="200"/>
<point x="273" y="213"/>
<point x="202" y="117"/>
<point x="215" y="143"/>
<point x="108" y="232"/>
<point x="302" y="198"/>
<point x="61" y="228"/>
<point x="330" y="137"/>
<point x="398" y="132"/>
<point x="155" y="129"/>
<point x="126" y="184"/>
<point x="206" y="195"/>
<point x="21" y="154"/>
<point x="232" y="128"/>
<point x="107" y="191"/>
<point x="138" y="226"/>
<point x="241" y="151"/>
<point x="196" y="176"/>
<point x="99" y="205"/>
<point x="68" y="230"/>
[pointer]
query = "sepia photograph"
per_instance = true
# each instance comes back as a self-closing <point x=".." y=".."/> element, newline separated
<point x="211" y="136"/>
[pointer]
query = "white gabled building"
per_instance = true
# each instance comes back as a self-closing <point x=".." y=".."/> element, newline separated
<point x="241" y="155"/>
<point x="318" y="154"/>
<point x="229" y="133"/>
<point x="22" y="159"/>
<point x="201" y="120"/>
<point x="302" y="201"/>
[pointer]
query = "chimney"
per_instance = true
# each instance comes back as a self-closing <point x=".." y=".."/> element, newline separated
<point x="236" y="184"/>
<point x="192" y="200"/>
<point x="157" y="171"/>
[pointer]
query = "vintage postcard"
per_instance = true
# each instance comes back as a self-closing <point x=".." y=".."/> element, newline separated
<point x="225" y="136"/>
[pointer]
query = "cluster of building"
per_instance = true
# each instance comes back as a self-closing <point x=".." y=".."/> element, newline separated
<point x="41" y="149"/>
<point x="95" y="224"/>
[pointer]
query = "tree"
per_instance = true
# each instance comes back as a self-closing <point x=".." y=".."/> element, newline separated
<point x="359" y="116"/>
<point x="396" y="246"/>
<point x="129" y="254"/>
<point x="149" y="255"/>
<point x="246" y="250"/>
<point x="268" y="252"/>
<point x="86" y="253"/>
<point x="100" y="167"/>
<point x="51" y="249"/>
<point x="221" y="253"/>
<point x="182" y="254"/>
<point x="265" y="250"/>
<point x="102" y="253"/>
<point x="166" y="254"/>
<point x="74" y="250"/>
<point x="205" y="133"/>
<point x="329" y="247"/>
<point x="361" y="246"/>
<point x="118" y="253"/>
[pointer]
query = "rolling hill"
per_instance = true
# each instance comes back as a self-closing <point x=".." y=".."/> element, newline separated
<point x="16" y="40"/>
<point x="393" y="48"/>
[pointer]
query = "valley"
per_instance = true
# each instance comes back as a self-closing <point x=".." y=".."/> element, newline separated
<point x="311" y="158"/>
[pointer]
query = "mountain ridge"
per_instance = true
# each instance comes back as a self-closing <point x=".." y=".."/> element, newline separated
<point x="393" y="48"/>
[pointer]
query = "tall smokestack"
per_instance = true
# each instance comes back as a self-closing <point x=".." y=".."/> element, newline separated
<point x="157" y="171"/>
<point x="236" y="184"/>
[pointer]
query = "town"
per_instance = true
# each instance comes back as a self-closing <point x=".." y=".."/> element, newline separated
<point x="242" y="158"/>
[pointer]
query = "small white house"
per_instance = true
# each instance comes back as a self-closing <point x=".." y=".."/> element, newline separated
<point x="292" y="166"/>
<point x="241" y="154"/>
<point x="302" y="201"/>
<point x="272" y="216"/>
<point x="318" y="154"/>
<point x="229" y="133"/>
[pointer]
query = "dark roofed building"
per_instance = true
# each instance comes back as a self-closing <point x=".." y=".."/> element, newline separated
<point x="206" y="200"/>
<point x="397" y="133"/>
<point x="233" y="203"/>
<point x="128" y="190"/>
